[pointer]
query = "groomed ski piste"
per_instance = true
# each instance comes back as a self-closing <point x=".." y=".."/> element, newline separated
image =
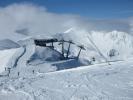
<point x="93" y="82"/>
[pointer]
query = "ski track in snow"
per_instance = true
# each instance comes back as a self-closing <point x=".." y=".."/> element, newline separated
<point x="82" y="84"/>
<point x="16" y="62"/>
<point x="95" y="82"/>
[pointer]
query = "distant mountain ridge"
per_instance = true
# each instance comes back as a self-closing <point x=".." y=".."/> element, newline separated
<point x="8" y="44"/>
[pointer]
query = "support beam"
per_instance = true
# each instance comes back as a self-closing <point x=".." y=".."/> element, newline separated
<point x="79" y="53"/>
<point x="68" y="49"/>
<point x="52" y="44"/>
<point x="81" y="47"/>
<point x="62" y="48"/>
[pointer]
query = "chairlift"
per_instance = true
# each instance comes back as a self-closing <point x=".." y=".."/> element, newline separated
<point x="43" y="42"/>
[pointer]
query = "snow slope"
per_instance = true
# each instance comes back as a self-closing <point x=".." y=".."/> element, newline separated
<point x="122" y="42"/>
<point x="40" y="80"/>
<point x="38" y="74"/>
<point x="96" y="82"/>
<point x="5" y="56"/>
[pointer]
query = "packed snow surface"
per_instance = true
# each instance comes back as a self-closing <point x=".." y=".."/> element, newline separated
<point x="39" y="79"/>
<point x="95" y="82"/>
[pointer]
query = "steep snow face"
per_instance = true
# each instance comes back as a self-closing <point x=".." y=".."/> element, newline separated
<point x="121" y="42"/>
<point x="5" y="56"/>
<point x="8" y="44"/>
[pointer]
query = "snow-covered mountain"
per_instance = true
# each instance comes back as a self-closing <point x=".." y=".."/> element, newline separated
<point x="112" y="45"/>
<point x="35" y="71"/>
<point x="103" y="70"/>
<point x="121" y="42"/>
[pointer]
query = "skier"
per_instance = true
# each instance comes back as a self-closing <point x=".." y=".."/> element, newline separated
<point x="5" y="68"/>
<point x="18" y="73"/>
<point x="8" y="71"/>
<point x="33" y="71"/>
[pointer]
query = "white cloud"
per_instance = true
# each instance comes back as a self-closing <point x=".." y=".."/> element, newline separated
<point x="39" y="21"/>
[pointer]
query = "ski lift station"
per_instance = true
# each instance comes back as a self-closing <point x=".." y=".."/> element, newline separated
<point x="50" y="44"/>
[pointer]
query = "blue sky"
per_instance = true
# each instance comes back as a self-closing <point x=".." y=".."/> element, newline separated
<point x="97" y="9"/>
